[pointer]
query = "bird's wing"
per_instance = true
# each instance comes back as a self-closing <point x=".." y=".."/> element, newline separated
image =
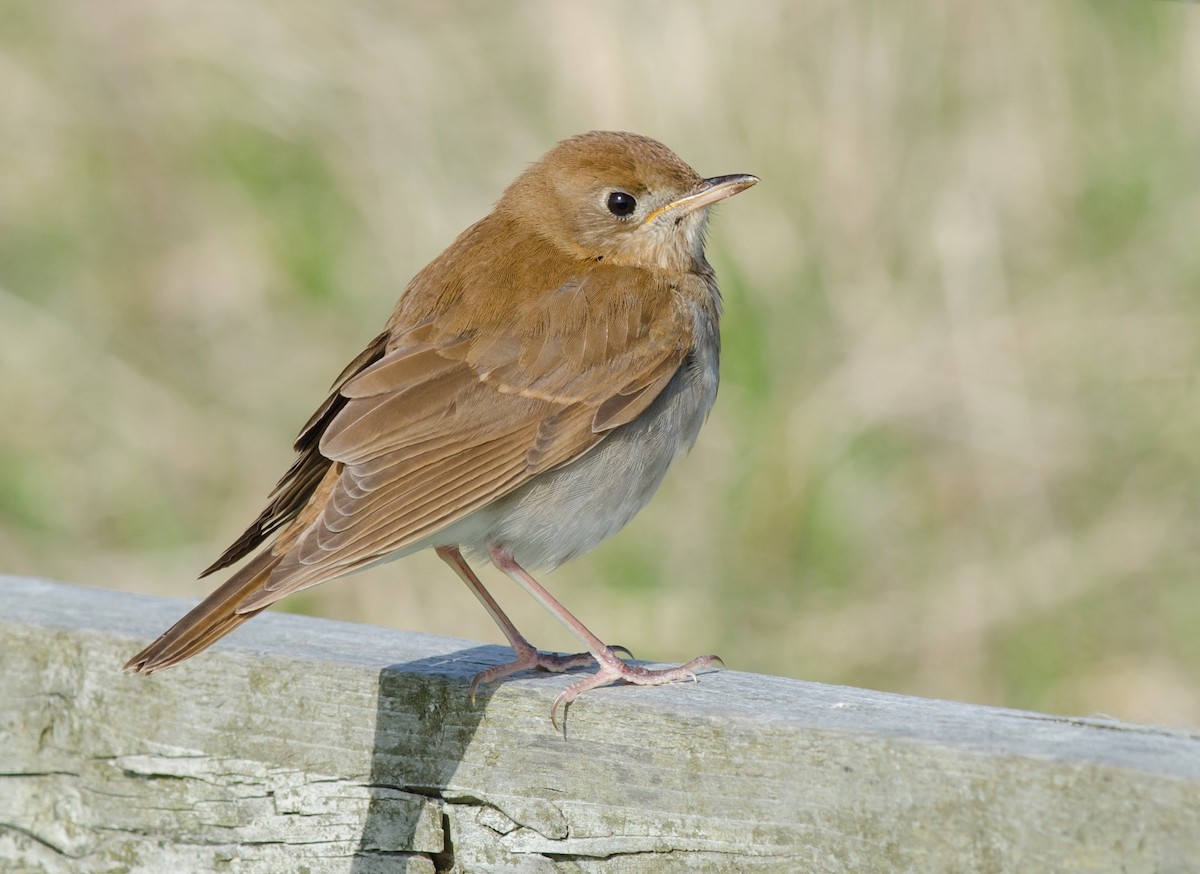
<point x="295" y="489"/>
<point x="451" y="418"/>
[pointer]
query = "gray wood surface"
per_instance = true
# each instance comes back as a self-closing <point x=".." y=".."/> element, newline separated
<point x="309" y="745"/>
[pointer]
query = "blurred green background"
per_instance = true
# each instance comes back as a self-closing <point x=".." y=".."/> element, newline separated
<point x="956" y="451"/>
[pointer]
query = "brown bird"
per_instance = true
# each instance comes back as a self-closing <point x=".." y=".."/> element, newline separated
<point x="523" y="402"/>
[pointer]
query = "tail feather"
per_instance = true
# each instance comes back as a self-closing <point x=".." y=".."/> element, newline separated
<point x="208" y="621"/>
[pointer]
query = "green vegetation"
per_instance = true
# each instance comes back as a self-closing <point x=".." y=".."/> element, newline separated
<point x="956" y="449"/>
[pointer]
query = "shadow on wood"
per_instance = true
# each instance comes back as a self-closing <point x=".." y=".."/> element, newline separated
<point x="304" y="744"/>
<point x="424" y="724"/>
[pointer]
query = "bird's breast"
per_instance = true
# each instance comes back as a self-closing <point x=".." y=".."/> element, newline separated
<point x="565" y="512"/>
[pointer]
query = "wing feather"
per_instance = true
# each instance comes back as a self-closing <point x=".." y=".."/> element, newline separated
<point x="459" y="412"/>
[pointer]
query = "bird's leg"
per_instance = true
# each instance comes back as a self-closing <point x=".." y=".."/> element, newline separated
<point x="528" y="657"/>
<point x="612" y="668"/>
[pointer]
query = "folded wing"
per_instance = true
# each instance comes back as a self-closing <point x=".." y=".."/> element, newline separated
<point x="448" y="420"/>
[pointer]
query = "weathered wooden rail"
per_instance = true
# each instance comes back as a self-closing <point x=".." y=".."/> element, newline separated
<point x="309" y="745"/>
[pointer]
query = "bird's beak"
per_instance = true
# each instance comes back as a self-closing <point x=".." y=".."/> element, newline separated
<point x="708" y="192"/>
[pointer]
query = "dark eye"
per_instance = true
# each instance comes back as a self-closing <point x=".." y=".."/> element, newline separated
<point x="621" y="204"/>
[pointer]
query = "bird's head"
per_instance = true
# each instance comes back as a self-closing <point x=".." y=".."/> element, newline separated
<point x="621" y="198"/>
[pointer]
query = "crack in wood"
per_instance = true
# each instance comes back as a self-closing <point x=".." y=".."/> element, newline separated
<point x="296" y="744"/>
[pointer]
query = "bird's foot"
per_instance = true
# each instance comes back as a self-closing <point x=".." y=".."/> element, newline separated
<point x="614" y="670"/>
<point x="530" y="659"/>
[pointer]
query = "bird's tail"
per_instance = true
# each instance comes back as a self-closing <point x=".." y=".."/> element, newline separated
<point x="209" y="621"/>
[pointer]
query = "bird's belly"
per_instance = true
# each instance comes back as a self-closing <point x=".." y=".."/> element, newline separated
<point x="566" y="512"/>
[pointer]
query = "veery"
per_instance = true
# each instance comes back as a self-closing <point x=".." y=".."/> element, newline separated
<point x="523" y="402"/>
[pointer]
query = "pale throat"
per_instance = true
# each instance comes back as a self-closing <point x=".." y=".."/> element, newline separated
<point x="669" y="242"/>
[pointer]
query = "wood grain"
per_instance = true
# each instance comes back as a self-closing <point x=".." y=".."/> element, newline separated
<point x="305" y="744"/>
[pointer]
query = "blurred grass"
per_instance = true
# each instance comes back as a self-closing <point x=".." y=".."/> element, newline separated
<point x="955" y="451"/>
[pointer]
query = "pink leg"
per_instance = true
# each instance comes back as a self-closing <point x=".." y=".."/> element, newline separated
<point x="612" y="669"/>
<point x="528" y="658"/>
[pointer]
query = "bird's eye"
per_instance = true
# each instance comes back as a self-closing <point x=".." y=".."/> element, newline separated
<point x="621" y="204"/>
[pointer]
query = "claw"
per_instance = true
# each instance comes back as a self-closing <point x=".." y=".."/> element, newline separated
<point x="530" y="659"/>
<point x="614" y="670"/>
<point x="559" y="701"/>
